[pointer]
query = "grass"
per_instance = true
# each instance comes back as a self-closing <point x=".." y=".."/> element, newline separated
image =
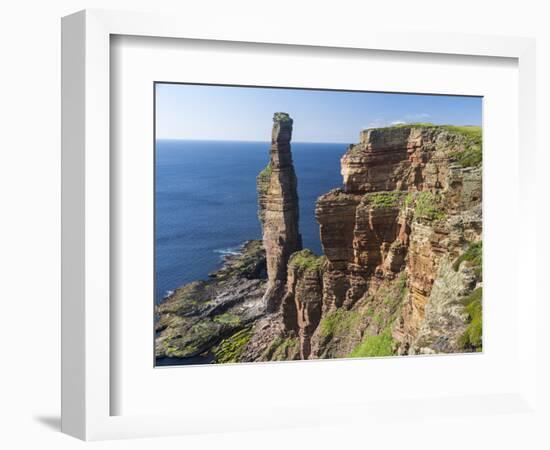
<point x="472" y="337"/>
<point x="428" y="206"/>
<point x="393" y="299"/>
<point x="469" y="157"/>
<point x="472" y="155"/>
<point x="229" y="350"/>
<point x="472" y="132"/>
<point x="227" y="319"/>
<point x="372" y="346"/>
<point x="306" y="260"/>
<point x="263" y="180"/>
<point x="409" y="200"/>
<point x="473" y="254"/>
<point x="339" y="322"/>
<point x="378" y="318"/>
<point x="383" y="199"/>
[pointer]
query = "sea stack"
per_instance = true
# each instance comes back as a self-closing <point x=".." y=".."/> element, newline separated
<point x="278" y="210"/>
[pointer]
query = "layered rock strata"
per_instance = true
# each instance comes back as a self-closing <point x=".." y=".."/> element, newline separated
<point x="407" y="204"/>
<point x="278" y="210"/>
<point x="401" y="271"/>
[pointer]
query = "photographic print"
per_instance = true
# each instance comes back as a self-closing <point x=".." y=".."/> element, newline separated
<point x="300" y="224"/>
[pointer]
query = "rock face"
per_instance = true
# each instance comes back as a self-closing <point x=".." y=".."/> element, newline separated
<point x="401" y="271"/>
<point x="409" y="206"/>
<point x="278" y="210"/>
<point x="302" y="304"/>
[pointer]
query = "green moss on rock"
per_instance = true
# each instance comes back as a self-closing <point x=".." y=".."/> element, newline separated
<point x="189" y="338"/>
<point x="227" y="319"/>
<point x="230" y="350"/>
<point x="282" y="349"/>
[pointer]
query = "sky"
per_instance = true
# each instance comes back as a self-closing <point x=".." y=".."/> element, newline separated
<point x="245" y="113"/>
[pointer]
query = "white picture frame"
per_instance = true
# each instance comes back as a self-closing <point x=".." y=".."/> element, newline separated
<point x="86" y="238"/>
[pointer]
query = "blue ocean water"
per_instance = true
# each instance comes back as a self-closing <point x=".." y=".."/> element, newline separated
<point x="206" y="202"/>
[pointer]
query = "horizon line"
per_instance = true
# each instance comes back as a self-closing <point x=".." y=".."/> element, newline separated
<point x="249" y="140"/>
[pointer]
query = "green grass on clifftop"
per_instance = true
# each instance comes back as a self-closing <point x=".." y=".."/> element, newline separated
<point x="306" y="260"/>
<point x="471" y="155"/>
<point x="471" y="132"/>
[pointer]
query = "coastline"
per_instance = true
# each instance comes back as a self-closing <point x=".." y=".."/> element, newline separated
<point x="206" y="312"/>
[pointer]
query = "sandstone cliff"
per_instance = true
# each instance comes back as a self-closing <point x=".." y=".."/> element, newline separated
<point x="410" y="205"/>
<point x="278" y="210"/>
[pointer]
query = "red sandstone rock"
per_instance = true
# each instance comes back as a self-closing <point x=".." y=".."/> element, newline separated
<point x="281" y="236"/>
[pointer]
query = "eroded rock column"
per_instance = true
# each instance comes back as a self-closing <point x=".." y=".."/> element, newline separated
<point x="279" y="210"/>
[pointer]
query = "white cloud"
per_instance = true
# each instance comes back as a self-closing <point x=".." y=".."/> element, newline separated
<point x="380" y="123"/>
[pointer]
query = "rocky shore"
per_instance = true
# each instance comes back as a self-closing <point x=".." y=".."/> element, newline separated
<point x="401" y="271"/>
<point x="200" y="316"/>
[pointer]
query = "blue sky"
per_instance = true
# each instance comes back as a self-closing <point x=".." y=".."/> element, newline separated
<point x="243" y="113"/>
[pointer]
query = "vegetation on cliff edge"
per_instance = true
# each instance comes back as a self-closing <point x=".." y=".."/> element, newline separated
<point x="389" y="199"/>
<point x="266" y="172"/>
<point x="472" y="153"/>
<point x="281" y="117"/>
<point x="474" y="255"/>
<point x="306" y="260"/>
<point x="428" y="206"/>
<point x="471" y="339"/>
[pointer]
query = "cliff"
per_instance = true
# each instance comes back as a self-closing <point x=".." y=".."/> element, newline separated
<point x="278" y="210"/>
<point x="401" y="271"/>
<point x="409" y="207"/>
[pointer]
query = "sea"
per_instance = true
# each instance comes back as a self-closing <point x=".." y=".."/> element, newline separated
<point x="206" y="205"/>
